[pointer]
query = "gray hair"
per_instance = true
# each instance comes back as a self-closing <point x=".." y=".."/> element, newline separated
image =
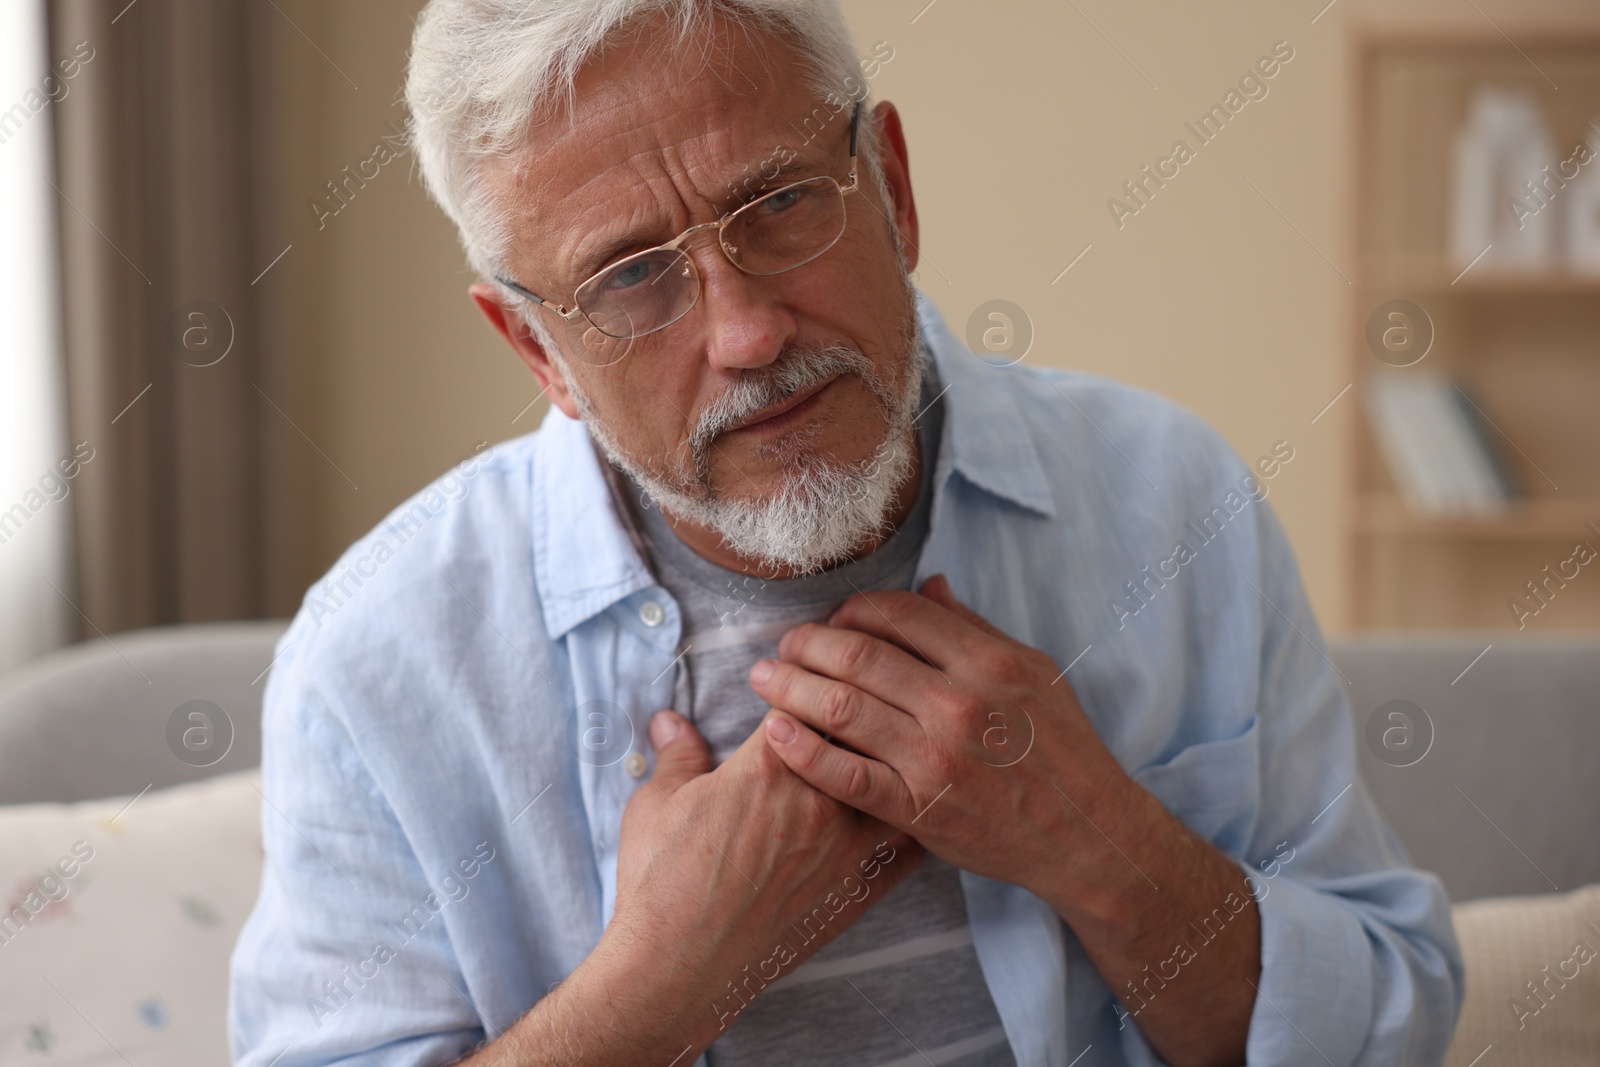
<point x="481" y="70"/>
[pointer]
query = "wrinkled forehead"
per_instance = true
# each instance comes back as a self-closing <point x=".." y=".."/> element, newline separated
<point x="652" y="106"/>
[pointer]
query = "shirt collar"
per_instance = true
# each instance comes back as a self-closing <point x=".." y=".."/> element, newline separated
<point x="584" y="561"/>
<point x="985" y="440"/>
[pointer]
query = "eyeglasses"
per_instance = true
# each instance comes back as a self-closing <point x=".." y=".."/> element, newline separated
<point x="650" y="290"/>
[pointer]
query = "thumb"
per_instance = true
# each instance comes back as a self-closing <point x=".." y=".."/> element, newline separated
<point x="937" y="589"/>
<point x="681" y="753"/>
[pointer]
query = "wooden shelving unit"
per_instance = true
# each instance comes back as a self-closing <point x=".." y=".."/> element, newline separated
<point x="1437" y="276"/>
<point x="1527" y="343"/>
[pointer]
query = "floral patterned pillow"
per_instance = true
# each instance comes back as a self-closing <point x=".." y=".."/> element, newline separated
<point x="117" y="918"/>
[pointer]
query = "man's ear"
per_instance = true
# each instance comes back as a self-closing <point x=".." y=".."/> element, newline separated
<point x="512" y="327"/>
<point x="896" y="162"/>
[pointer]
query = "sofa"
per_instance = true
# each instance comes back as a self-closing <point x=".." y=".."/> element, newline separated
<point x="130" y="808"/>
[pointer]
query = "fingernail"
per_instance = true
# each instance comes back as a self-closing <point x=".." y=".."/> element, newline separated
<point x="781" y="730"/>
<point x="663" y="728"/>
<point x="761" y="671"/>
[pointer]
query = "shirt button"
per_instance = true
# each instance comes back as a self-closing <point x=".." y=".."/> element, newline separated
<point x="634" y="764"/>
<point x="651" y="614"/>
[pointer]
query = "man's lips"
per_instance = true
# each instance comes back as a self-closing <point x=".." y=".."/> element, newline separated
<point x="784" y="415"/>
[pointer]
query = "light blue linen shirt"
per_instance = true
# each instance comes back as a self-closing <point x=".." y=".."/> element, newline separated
<point x="453" y="717"/>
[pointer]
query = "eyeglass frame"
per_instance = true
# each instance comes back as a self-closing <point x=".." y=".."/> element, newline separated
<point x="850" y="185"/>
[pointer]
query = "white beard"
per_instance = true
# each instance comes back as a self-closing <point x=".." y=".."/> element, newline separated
<point x="821" y="512"/>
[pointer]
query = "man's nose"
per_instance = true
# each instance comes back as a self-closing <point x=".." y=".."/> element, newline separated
<point x="746" y="326"/>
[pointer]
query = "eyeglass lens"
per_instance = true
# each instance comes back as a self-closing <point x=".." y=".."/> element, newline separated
<point x="785" y="229"/>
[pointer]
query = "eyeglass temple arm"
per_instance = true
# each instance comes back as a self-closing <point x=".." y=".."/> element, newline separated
<point x="513" y="286"/>
<point x="559" y="309"/>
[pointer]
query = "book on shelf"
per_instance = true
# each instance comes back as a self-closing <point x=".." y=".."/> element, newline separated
<point x="1438" y="445"/>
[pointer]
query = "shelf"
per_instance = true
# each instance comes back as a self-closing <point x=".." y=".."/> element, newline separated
<point x="1528" y="518"/>
<point x="1523" y="339"/>
<point x="1435" y="276"/>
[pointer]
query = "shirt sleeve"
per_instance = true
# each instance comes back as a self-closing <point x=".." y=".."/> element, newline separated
<point x="1359" y="960"/>
<point x="345" y="959"/>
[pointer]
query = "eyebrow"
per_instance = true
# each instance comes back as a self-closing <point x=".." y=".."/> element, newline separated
<point x="748" y="187"/>
<point x="786" y="172"/>
<point x="590" y="264"/>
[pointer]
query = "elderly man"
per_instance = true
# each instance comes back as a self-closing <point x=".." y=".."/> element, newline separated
<point x="999" y="731"/>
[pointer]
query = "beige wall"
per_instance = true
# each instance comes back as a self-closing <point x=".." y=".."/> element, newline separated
<point x="1023" y="119"/>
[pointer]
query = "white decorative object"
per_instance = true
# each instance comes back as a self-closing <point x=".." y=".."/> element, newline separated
<point x="1500" y="204"/>
<point x="1582" y="205"/>
<point x="119" y="921"/>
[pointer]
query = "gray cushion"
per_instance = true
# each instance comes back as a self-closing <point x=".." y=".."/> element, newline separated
<point x="92" y="721"/>
<point x="1517" y="736"/>
<point x="1507" y="799"/>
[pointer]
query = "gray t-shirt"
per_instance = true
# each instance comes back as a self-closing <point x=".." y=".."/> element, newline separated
<point x="903" y="985"/>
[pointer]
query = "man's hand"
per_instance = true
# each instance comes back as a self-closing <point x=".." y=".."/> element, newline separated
<point x="726" y="879"/>
<point x="972" y="742"/>
<point x="975" y="744"/>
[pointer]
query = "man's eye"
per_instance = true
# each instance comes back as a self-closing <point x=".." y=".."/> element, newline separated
<point x="782" y="201"/>
<point x="631" y="275"/>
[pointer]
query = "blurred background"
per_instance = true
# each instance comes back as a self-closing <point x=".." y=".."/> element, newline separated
<point x="1362" y="235"/>
<point x="229" y="289"/>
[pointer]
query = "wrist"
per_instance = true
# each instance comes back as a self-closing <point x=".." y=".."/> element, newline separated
<point x="1113" y="833"/>
<point x="658" y="989"/>
<point x="634" y="1004"/>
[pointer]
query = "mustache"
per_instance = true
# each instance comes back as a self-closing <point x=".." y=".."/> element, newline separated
<point x="798" y="369"/>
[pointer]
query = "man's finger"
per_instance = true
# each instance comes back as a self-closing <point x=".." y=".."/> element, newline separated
<point x="921" y="625"/>
<point x="937" y="589"/>
<point x="838" y="709"/>
<point x="681" y="753"/>
<point x="874" y="664"/>
<point x="864" y="784"/>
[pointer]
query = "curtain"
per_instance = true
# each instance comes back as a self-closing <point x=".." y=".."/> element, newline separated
<point x="164" y="282"/>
